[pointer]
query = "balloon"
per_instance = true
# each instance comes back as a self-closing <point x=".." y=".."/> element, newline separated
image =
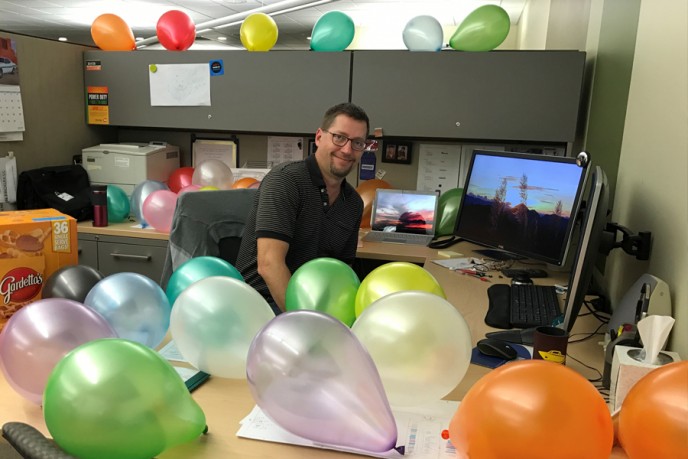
<point x="258" y="32"/>
<point x="134" y="305"/>
<point x="208" y="188"/>
<point x="334" y="31"/>
<point x="214" y="321"/>
<point x="180" y="178"/>
<point x="420" y="343"/>
<point x="367" y="192"/>
<point x="196" y="269"/>
<point x="447" y="211"/>
<point x="158" y="209"/>
<point x="213" y="172"/>
<point x="324" y="284"/>
<point x="116" y="399"/>
<point x="72" y="282"/>
<point x="394" y="277"/>
<point x="536" y="408"/>
<point x="175" y="30"/>
<point x="139" y="195"/>
<point x="244" y="182"/>
<point x="482" y="30"/>
<point x="423" y="33"/>
<point x="310" y="374"/>
<point x="111" y="33"/>
<point x="653" y="421"/>
<point x="189" y="188"/>
<point x="254" y="185"/>
<point x="37" y="337"/>
<point x="117" y="204"/>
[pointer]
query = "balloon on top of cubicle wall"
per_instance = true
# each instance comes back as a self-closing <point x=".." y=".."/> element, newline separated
<point x="423" y="33"/>
<point x="334" y="31"/>
<point x="180" y="178"/>
<point x="117" y="204"/>
<point x="175" y="30"/>
<point x="111" y="33"/>
<point x="158" y="209"/>
<point x="482" y="30"/>
<point x="258" y="32"/>
<point x="139" y="195"/>
<point x="213" y="172"/>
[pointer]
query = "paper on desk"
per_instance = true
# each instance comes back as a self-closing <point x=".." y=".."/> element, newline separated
<point x="420" y="431"/>
<point x="171" y="352"/>
<point x="458" y="263"/>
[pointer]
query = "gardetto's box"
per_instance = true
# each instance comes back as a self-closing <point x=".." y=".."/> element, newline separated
<point x="33" y="245"/>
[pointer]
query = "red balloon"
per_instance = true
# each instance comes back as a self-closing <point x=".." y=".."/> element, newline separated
<point x="180" y="178"/>
<point x="176" y="31"/>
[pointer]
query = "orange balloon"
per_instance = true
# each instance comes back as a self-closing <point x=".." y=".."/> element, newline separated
<point x="532" y="409"/>
<point x="367" y="192"/>
<point x="653" y="421"/>
<point x="244" y="182"/>
<point x="111" y="33"/>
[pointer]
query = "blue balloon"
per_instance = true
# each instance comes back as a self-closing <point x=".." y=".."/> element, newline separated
<point x="140" y="193"/>
<point x="423" y="33"/>
<point x="196" y="269"/>
<point x="134" y="305"/>
<point x="334" y="31"/>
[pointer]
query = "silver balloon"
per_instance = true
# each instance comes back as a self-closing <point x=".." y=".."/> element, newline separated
<point x="140" y="194"/>
<point x="423" y="33"/>
<point x="213" y="172"/>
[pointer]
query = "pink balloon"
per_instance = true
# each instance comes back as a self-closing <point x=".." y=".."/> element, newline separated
<point x="176" y="31"/>
<point x="37" y="336"/>
<point x="188" y="188"/>
<point x="158" y="209"/>
<point x="254" y="185"/>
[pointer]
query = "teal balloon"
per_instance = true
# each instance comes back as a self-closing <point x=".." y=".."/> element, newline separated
<point x="334" y="31"/>
<point x="447" y="211"/>
<point x="483" y="30"/>
<point x="117" y="204"/>
<point x="423" y="33"/>
<point x="196" y="269"/>
<point x="326" y="285"/>
<point x="117" y="399"/>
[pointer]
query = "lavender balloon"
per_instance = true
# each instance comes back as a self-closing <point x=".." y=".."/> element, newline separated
<point x="312" y="376"/>
<point x="39" y="335"/>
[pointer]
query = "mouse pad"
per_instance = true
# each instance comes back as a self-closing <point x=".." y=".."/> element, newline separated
<point x="494" y="362"/>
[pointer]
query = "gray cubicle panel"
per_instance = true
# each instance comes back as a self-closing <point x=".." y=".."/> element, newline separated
<point x="276" y="91"/>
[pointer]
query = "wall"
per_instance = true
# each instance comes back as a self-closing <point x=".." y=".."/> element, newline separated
<point x="652" y="188"/>
<point x="532" y="30"/>
<point x="52" y="89"/>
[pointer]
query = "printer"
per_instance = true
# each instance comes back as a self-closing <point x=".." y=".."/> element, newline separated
<point x="128" y="164"/>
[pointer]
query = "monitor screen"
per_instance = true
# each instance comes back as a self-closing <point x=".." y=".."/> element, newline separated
<point x="523" y="204"/>
<point x="404" y="211"/>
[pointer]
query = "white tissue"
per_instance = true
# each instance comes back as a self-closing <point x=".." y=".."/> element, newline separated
<point x="654" y="331"/>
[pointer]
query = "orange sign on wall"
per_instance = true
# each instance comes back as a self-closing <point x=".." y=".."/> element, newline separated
<point x="98" y="109"/>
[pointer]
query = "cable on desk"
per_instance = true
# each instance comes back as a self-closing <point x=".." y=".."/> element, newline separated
<point x="602" y="317"/>
<point x="587" y="335"/>
<point x="599" y="378"/>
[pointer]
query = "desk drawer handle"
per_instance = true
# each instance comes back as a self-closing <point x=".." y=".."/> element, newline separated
<point x="133" y="257"/>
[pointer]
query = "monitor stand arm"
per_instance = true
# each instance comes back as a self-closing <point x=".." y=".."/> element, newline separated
<point x="638" y="245"/>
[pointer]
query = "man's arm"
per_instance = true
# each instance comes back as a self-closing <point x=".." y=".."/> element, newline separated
<point x="273" y="269"/>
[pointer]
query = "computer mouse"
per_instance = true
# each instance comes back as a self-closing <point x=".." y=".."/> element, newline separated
<point x="521" y="279"/>
<point x="496" y="348"/>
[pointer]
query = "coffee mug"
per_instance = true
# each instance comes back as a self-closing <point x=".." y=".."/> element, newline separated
<point x="549" y="343"/>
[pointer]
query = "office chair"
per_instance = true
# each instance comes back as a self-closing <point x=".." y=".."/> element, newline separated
<point x="29" y="443"/>
<point x="207" y="223"/>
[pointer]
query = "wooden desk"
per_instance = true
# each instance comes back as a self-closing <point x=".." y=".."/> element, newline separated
<point x="225" y="402"/>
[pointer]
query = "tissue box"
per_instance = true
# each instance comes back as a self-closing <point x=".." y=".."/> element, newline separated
<point x="626" y="371"/>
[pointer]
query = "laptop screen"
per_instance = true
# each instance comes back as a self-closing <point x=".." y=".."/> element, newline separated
<point x="404" y="211"/>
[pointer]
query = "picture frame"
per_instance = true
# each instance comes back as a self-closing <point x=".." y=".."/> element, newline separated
<point x="396" y="152"/>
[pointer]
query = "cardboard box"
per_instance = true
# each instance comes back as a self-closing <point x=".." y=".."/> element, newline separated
<point x="33" y="245"/>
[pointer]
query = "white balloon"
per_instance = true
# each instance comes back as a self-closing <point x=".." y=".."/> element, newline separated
<point x="423" y="33"/>
<point x="213" y="172"/>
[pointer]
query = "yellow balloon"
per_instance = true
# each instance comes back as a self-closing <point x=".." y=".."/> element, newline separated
<point x="394" y="277"/>
<point x="208" y="188"/>
<point x="258" y="32"/>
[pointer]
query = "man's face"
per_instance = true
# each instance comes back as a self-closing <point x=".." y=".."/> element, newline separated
<point x="335" y="160"/>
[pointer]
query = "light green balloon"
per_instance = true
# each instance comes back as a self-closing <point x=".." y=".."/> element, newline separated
<point x="117" y="399"/>
<point x="326" y="285"/>
<point x="447" y="210"/>
<point x="482" y="30"/>
<point x="118" y="205"/>
<point x="334" y="31"/>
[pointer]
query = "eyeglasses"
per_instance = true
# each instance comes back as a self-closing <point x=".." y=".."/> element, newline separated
<point x="341" y="140"/>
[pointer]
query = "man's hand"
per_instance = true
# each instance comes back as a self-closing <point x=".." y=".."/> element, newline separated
<point x="273" y="269"/>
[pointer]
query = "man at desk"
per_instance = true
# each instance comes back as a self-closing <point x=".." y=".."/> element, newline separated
<point x="306" y="209"/>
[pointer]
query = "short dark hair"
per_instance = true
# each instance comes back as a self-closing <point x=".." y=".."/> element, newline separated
<point x="348" y="109"/>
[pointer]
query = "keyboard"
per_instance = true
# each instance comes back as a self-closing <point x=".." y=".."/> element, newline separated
<point x="402" y="238"/>
<point x="533" y="305"/>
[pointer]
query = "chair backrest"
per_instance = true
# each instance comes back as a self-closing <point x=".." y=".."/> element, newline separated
<point x="207" y="223"/>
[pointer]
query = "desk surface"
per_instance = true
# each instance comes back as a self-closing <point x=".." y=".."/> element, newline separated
<point x="225" y="402"/>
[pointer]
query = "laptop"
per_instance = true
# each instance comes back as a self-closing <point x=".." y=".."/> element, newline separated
<point x="403" y="217"/>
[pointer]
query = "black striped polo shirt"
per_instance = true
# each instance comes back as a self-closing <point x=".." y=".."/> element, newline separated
<point x="292" y="205"/>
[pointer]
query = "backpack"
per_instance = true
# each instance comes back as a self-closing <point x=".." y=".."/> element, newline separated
<point x="65" y="188"/>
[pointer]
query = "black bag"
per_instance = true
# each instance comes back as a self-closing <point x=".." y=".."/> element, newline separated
<point x="65" y="188"/>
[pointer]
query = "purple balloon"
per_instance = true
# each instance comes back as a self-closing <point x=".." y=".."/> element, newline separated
<point x="309" y="373"/>
<point x="37" y="336"/>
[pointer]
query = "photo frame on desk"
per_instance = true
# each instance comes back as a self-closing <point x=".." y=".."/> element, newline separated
<point x="396" y="152"/>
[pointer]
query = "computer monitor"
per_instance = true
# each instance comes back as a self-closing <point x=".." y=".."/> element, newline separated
<point x="522" y="205"/>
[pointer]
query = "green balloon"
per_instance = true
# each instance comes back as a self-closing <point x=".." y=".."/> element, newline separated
<point x="117" y="399"/>
<point x="483" y="30"/>
<point x="447" y="210"/>
<point x="117" y="204"/>
<point x="196" y="269"/>
<point x="334" y="31"/>
<point x="326" y="285"/>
